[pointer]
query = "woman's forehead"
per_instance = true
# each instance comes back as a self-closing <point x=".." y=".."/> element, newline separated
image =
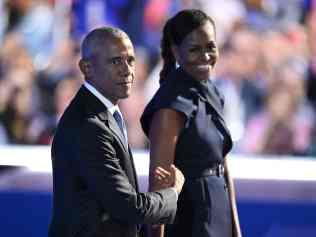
<point x="205" y="32"/>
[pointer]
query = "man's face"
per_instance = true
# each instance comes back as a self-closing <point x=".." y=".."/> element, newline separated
<point x="113" y="69"/>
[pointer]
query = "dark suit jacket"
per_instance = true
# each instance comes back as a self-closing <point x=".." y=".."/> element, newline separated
<point x="95" y="190"/>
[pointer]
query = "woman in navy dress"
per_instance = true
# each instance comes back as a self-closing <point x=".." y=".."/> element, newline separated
<point x="185" y="126"/>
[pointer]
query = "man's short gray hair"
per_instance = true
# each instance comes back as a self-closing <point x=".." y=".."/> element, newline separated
<point x="97" y="37"/>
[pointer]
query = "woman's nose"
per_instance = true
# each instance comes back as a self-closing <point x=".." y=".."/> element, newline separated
<point x="206" y="56"/>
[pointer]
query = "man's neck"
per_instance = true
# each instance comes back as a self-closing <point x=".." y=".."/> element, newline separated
<point x="107" y="103"/>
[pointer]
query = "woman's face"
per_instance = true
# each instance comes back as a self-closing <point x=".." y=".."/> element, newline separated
<point x="198" y="53"/>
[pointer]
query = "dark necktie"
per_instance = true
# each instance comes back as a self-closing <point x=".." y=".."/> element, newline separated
<point x="118" y="118"/>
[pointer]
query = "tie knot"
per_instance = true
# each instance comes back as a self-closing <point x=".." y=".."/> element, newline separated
<point x="117" y="116"/>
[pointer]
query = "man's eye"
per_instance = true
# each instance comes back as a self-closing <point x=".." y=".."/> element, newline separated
<point x="131" y="61"/>
<point x="115" y="61"/>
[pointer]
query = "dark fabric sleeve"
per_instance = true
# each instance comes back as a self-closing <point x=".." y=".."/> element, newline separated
<point x="171" y="96"/>
<point x="182" y="104"/>
<point x="105" y="178"/>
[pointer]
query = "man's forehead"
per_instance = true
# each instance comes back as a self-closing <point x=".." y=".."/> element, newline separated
<point x="118" y="44"/>
<point x="118" y="40"/>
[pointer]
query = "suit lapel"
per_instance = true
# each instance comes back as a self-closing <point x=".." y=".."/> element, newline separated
<point x="126" y="162"/>
<point x="129" y="163"/>
<point x="95" y="107"/>
<point x="116" y="130"/>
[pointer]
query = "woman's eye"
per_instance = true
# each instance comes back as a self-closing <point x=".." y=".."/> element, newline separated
<point x="211" y="48"/>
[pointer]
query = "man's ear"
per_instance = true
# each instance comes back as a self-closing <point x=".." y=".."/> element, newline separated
<point x="85" y="67"/>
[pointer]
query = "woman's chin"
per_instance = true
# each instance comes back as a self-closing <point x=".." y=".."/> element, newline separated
<point x="203" y="75"/>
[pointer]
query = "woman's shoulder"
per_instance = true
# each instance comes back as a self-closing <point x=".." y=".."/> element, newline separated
<point x="174" y="88"/>
<point x="174" y="93"/>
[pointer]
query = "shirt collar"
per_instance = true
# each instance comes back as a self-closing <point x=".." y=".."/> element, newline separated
<point x="107" y="103"/>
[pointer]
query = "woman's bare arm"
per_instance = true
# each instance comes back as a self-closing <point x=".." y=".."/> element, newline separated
<point x="232" y="198"/>
<point x="163" y="135"/>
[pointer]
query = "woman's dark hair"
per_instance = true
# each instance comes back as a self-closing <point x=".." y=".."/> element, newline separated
<point x="174" y="32"/>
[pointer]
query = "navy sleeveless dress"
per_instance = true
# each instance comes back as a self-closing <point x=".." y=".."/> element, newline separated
<point x="203" y="207"/>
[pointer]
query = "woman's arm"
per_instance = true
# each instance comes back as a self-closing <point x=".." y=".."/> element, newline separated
<point x="163" y="135"/>
<point x="232" y="198"/>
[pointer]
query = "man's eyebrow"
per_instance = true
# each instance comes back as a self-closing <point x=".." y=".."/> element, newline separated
<point x="114" y="58"/>
<point x="122" y="57"/>
<point x="131" y="57"/>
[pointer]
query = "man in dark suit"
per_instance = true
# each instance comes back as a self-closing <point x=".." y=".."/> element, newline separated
<point x="95" y="184"/>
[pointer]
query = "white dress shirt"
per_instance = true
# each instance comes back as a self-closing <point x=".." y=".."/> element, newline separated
<point x="107" y="103"/>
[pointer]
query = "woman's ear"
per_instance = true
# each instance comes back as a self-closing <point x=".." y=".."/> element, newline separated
<point x="175" y="52"/>
<point x="85" y="67"/>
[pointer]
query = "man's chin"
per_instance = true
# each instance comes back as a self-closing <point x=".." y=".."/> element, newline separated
<point x="125" y="95"/>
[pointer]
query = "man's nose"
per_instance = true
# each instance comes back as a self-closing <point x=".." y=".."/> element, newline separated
<point x="126" y="67"/>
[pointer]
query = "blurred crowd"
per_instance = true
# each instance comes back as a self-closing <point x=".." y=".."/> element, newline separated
<point x="266" y="71"/>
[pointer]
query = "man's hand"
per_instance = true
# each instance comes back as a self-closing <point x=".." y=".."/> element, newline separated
<point x="177" y="178"/>
<point x="166" y="179"/>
